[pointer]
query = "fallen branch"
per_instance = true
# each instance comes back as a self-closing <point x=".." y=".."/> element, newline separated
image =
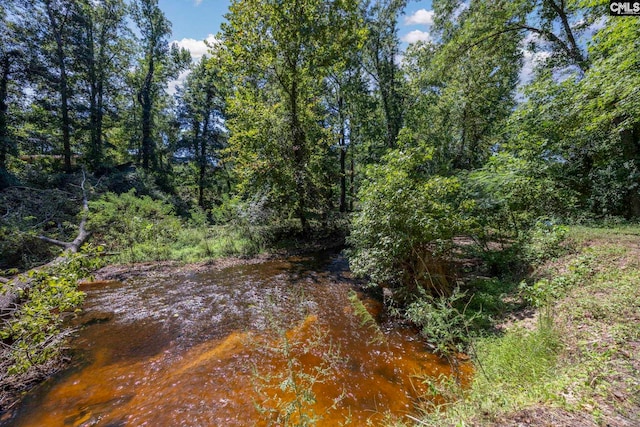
<point x="21" y="283"/>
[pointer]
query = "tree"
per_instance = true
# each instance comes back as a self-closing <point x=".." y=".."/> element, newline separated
<point x="9" y="57"/>
<point x="279" y="54"/>
<point x="584" y="128"/>
<point x="51" y="32"/>
<point x="551" y="25"/>
<point x="460" y="97"/>
<point x="383" y="50"/>
<point x="611" y="106"/>
<point x="104" y="54"/>
<point x="159" y="64"/>
<point x="202" y="113"/>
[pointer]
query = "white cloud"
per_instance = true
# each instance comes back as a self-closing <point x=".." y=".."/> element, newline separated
<point x="198" y="48"/>
<point x="420" y="17"/>
<point x="416" y="36"/>
<point x="531" y="58"/>
<point x="196" y="3"/>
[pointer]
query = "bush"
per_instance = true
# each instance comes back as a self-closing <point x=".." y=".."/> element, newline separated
<point x="441" y="323"/>
<point x="32" y="335"/>
<point x="512" y="195"/>
<point x="137" y="228"/>
<point x="406" y="220"/>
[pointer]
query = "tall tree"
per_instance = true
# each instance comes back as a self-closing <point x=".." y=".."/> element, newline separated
<point x="104" y="54"/>
<point x="383" y="51"/>
<point x="346" y="95"/>
<point x="280" y="53"/>
<point x="53" y="30"/>
<point x="202" y="113"/>
<point x="159" y="64"/>
<point x="551" y="25"/>
<point x="9" y="57"/>
<point x="463" y="90"/>
<point x="584" y="129"/>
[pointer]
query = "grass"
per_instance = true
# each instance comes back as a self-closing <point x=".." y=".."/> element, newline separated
<point x="579" y="361"/>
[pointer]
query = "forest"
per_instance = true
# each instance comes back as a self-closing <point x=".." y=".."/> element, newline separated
<point x="448" y="170"/>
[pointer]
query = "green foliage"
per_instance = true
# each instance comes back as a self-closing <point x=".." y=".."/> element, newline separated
<point x="291" y="402"/>
<point x="542" y="293"/>
<point x="278" y="55"/>
<point x="366" y="319"/>
<point x="405" y="215"/>
<point x="201" y="116"/>
<point x="462" y="88"/>
<point x="544" y="241"/>
<point x="578" y="348"/>
<point x="140" y="227"/>
<point x="33" y="334"/>
<point x="512" y="259"/>
<point x="512" y="194"/>
<point x="441" y="322"/>
<point x="518" y="360"/>
<point x="515" y="370"/>
<point x="136" y="228"/>
<point x="287" y="398"/>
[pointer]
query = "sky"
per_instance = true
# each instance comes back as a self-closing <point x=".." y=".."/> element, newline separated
<point x="193" y="21"/>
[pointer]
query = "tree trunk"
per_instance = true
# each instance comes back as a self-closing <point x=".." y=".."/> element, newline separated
<point x="63" y="88"/>
<point x="573" y="50"/>
<point x="352" y="187"/>
<point x="343" y="179"/>
<point x="203" y="148"/>
<point x="4" y="108"/>
<point x="146" y="103"/>
<point x="94" y="149"/>
<point x="298" y="140"/>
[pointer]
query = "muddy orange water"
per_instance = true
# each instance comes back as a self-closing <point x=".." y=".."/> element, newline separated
<point x="263" y="344"/>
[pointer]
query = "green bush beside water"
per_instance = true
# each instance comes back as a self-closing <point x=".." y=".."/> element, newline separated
<point x="136" y="228"/>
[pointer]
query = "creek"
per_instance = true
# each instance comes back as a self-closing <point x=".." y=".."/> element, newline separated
<point x="247" y="345"/>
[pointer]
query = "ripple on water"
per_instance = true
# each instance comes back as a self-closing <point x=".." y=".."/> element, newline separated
<point x="185" y="351"/>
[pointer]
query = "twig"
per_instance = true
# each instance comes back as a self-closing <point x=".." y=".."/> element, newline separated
<point x="412" y="418"/>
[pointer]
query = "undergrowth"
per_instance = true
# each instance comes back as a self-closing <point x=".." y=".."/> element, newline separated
<point x="577" y="351"/>
<point x="137" y="228"/>
<point x="32" y="333"/>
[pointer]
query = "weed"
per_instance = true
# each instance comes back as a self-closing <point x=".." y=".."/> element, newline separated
<point x="579" y="353"/>
<point x="286" y="397"/>
<point x="366" y="319"/>
<point x="441" y="322"/>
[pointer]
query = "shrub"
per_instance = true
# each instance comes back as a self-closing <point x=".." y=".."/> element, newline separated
<point x="138" y="228"/>
<point x="441" y="322"/>
<point x="32" y="335"/>
<point x="406" y="220"/>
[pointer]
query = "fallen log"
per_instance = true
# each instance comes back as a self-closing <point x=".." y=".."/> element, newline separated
<point x="10" y="299"/>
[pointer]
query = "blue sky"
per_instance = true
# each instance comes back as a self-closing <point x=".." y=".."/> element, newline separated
<point x="196" y="20"/>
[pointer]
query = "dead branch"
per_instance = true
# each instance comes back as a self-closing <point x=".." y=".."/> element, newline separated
<point x="22" y="282"/>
